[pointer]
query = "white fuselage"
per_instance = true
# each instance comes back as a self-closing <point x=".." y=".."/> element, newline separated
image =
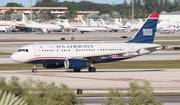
<point x="33" y="52"/>
<point x="4" y="28"/>
<point x="45" y="27"/>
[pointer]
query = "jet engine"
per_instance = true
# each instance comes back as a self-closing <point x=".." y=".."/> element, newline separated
<point x="75" y="63"/>
<point x="53" y="65"/>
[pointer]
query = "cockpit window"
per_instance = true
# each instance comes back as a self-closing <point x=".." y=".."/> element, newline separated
<point x="23" y="50"/>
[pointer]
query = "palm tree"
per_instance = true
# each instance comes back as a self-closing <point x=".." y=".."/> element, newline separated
<point x="10" y="99"/>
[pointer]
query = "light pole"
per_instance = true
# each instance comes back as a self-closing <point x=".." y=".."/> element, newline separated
<point x="132" y="9"/>
<point x="120" y="12"/>
<point x="31" y="10"/>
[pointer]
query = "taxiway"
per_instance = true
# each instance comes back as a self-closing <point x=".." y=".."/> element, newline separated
<point x="162" y="80"/>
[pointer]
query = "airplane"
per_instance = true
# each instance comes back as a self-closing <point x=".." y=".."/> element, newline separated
<point x="77" y="56"/>
<point x="8" y="28"/>
<point x="44" y="27"/>
<point x="124" y="24"/>
<point x="113" y="28"/>
<point x="135" y="24"/>
<point x="82" y="28"/>
<point x="66" y="25"/>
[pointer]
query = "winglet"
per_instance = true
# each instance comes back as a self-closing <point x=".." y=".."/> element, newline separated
<point x="147" y="32"/>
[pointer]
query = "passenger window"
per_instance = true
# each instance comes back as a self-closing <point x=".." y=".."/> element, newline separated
<point x="19" y="50"/>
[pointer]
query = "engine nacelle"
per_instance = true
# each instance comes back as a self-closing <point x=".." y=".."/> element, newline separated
<point x="53" y="65"/>
<point x="75" y="63"/>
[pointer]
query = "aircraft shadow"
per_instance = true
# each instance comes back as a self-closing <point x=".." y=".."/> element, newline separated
<point x="145" y="70"/>
<point x="97" y="71"/>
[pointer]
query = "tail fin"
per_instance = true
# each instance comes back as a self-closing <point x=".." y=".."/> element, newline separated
<point x="24" y="19"/>
<point x="63" y="22"/>
<point x="83" y="22"/>
<point x="147" y="32"/>
<point x="117" y="22"/>
<point x="92" y="22"/>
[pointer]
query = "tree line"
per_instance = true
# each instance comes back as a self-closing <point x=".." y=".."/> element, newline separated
<point x="142" y="8"/>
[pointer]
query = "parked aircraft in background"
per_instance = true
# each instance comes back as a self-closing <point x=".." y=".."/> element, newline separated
<point x="169" y="29"/>
<point x="82" y="28"/>
<point x="125" y="25"/>
<point x="77" y="56"/>
<point x="44" y="27"/>
<point x="8" y="28"/>
<point x="83" y="22"/>
<point x="167" y="24"/>
<point x="136" y="24"/>
<point x="117" y="22"/>
<point x="114" y="28"/>
<point x="66" y="25"/>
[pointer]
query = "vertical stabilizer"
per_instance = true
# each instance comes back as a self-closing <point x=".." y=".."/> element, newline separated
<point x="24" y="19"/>
<point x="83" y="22"/>
<point x="63" y="22"/>
<point x="117" y="22"/>
<point x="92" y="22"/>
<point x="147" y="32"/>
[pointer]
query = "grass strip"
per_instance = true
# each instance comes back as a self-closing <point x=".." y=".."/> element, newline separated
<point x="152" y="64"/>
<point x="5" y="53"/>
<point x="168" y="43"/>
<point x="125" y="94"/>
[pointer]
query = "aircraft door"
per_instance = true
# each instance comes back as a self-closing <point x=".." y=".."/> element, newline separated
<point x="37" y="50"/>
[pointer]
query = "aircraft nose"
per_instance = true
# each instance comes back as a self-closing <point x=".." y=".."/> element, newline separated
<point x="16" y="57"/>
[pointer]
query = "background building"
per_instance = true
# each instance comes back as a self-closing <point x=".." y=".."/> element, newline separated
<point x="27" y="10"/>
<point x="82" y="14"/>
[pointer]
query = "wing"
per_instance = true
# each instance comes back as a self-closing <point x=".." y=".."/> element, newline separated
<point x="97" y="56"/>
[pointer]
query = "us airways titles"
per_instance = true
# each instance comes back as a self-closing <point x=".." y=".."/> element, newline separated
<point x="75" y="46"/>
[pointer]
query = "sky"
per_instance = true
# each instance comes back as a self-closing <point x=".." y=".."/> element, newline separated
<point x="28" y="2"/>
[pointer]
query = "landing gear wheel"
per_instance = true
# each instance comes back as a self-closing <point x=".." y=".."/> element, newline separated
<point x="92" y="69"/>
<point x="77" y="70"/>
<point x="34" y="68"/>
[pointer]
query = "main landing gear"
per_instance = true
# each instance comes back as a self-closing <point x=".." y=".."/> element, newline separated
<point x="90" y="69"/>
<point x="34" y="68"/>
